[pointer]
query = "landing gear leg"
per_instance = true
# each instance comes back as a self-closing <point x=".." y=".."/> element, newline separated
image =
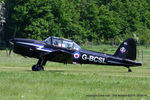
<point x="39" y="65"/>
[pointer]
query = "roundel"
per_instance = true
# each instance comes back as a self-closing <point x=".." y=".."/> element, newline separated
<point x="122" y="50"/>
<point x="76" y="55"/>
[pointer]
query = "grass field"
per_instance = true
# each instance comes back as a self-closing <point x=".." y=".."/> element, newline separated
<point x="73" y="82"/>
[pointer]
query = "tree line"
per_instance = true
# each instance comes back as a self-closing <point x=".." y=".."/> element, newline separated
<point x="97" y="21"/>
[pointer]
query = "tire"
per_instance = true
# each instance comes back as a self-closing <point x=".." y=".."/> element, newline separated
<point x="129" y="70"/>
<point x="37" y="68"/>
<point x="34" y="68"/>
<point x="40" y="68"/>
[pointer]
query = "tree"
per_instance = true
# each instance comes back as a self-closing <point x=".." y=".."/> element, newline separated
<point x="80" y="20"/>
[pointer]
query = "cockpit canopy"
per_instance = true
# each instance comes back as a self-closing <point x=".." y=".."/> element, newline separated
<point x="64" y="43"/>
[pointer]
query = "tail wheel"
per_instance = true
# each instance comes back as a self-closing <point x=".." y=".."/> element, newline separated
<point x="129" y="70"/>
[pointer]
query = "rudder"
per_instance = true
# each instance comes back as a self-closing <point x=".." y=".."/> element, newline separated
<point x="127" y="49"/>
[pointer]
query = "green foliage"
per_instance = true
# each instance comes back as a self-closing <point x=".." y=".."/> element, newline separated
<point x="81" y="20"/>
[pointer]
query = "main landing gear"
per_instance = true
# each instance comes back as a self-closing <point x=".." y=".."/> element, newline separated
<point x="39" y="65"/>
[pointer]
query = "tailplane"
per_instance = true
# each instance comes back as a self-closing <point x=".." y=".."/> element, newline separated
<point x="127" y="49"/>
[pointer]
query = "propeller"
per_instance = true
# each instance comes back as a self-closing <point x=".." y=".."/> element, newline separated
<point x="12" y="42"/>
<point x="11" y="47"/>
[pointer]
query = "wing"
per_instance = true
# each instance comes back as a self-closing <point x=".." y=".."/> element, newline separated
<point x="59" y="56"/>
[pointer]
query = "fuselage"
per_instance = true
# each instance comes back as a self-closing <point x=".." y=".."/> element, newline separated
<point x="36" y="49"/>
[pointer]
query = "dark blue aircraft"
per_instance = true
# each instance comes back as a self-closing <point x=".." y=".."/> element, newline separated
<point x="68" y="52"/>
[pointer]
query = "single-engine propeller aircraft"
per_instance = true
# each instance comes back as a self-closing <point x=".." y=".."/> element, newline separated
<point x="67" y="51"/>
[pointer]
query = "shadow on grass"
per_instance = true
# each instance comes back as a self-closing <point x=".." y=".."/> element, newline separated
<point x="87" y="71"/>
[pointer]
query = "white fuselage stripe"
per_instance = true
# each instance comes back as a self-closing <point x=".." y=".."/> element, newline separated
<point x="38" y="47"/>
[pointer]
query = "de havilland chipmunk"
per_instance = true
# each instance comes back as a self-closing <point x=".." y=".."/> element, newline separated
<point x="68" y="52"/>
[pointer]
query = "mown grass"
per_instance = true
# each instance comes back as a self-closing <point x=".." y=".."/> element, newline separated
<point x="73" y="82"/>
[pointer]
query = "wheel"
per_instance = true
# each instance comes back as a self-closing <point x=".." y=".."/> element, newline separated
<point x="37" y="68"/>
<point x="34" y="68"/>
<point x="40" y="68"/>
<point x="129" y="70"/>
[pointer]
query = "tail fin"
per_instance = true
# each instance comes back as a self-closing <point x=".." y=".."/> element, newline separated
<point x="127" y="49"/>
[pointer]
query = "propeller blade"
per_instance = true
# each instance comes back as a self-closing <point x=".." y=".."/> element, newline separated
<point x="11" y="47"/>
<point x="14" y="35"/>
<point x="12" y="42"/>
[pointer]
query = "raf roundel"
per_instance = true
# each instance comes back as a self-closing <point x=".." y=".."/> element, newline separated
<point x="76" y="55"/>
<point x="122" y="50"/>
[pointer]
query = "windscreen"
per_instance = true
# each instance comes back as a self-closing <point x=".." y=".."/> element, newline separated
<point x="64" y="43"/>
